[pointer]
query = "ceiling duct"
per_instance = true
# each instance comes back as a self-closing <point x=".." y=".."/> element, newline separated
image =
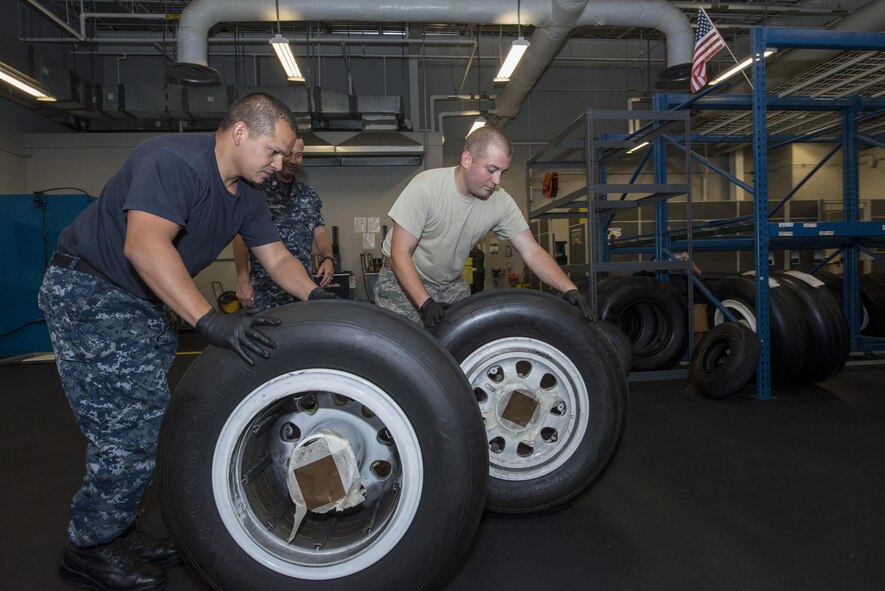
<point x="367" y="148"/>
<point x="314" y="145"/>
<point x="553" y="21"/>
<point x="379" y="148"/>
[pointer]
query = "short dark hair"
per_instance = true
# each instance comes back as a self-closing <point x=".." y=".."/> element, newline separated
<point x="260" y="112"/>
<point x="478" y="142"/>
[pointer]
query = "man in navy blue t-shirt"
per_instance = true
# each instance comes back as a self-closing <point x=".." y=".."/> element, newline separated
<point x="122" y="268"/>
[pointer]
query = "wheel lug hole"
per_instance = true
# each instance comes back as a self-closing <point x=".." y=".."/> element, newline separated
<point x="497" y="445"/>
<point x="290" y="432"/>
<point x="384" y="437"/>
<point x="308" y="403"/>
<point x="381" y="469"/>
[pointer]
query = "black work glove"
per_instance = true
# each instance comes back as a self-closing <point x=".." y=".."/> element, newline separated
<point x="432" y="311"/>
<point x="576" y="298"/>
<point x="237" y="332"/>
<point x="321" y="294"/>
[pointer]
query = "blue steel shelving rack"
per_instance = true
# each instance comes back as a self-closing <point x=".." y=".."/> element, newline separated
<point x="851" y="235"/>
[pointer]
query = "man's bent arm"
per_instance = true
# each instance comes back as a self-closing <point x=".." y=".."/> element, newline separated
<point x="540" y="262"/>
<point x="285" y="270"/>
<point x="402" y="245"/>
<point x="245" y="291"/>
<point x="324" y="244"/>
<point x="149" y="248"/>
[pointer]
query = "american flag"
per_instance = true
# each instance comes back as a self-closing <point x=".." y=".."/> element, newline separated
<point x="707" y="43"/>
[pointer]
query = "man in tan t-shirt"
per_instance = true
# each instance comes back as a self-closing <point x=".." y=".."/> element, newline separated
<point x="440" y="216"/>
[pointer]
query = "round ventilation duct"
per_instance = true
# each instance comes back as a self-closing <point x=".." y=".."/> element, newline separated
<point x="677" y="73"/>
<point x="193" y="73"/>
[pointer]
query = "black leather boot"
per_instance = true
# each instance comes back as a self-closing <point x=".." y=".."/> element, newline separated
<point x="147" y="547"/>
<point x="110" y="567"/>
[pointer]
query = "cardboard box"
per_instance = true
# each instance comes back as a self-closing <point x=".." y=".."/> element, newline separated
<point x="699" y="318"/>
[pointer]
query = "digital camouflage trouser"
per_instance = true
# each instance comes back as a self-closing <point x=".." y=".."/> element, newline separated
<point x="272" y="297"/>
<point x="389" y="293"/>
<point x="113" y="353"/>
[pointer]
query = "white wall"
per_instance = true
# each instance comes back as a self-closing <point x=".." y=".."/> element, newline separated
<point x="15" y="120"/>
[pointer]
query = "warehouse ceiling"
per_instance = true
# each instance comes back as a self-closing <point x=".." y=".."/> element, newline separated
<point x="67" y="28"/>
<point x="110" y="20"/>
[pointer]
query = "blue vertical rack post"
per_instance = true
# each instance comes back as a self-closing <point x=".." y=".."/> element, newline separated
<point x="760" y="211"/>
<point x="763" y="39"/>
<point x="851" y="213"/>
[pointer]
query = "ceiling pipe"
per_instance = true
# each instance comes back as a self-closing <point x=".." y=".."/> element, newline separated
<point x="81" y="34"/>
<point x="547" y="41"/>
<point x="456" y="97"/>
<point x="61" y="24"/>
<point x="553" y="21"/>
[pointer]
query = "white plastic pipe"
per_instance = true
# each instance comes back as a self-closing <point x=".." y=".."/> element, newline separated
<point x="553" y="19"/>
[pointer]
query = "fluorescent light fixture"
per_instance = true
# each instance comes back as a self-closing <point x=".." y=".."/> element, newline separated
<point x="734" y="70"/>
<point x="477" y="123"/>
<point x="517" y="49"/>
<point x="284" y="53"/>
<point x="635" y="148"/>
<point x="15" y="79"/>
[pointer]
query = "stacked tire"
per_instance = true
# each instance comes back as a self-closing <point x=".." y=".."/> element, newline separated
<point x="808" y="333"/>
<point x="872" y="300"/>
<point x="652" y="314"/>
<point x="826" y="326"/>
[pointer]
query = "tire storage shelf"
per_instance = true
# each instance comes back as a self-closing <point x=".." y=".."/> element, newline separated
<point x="586" y="152"/>
<point x="768" y="119"/>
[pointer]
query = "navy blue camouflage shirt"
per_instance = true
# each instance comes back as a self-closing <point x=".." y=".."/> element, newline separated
<point x="295" y="209"/>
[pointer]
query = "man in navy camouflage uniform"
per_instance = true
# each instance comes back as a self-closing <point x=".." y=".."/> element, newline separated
<point x="122" y="268"/>
<point x="296" y="210"/>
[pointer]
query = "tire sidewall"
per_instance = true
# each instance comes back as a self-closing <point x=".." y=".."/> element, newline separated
<point x="502" y="314"/>
<point x="441" y="412"/>
<point x="735" y="371"/>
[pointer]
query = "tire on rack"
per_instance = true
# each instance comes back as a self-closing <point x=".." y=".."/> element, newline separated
<point x="654" y="317"/>
<point x="867" y="299"/>
<point x="639" y="324"/>
<point x="724" y="360"/>
<point x="788" y="334"/>
<point x="617" y="338"/>
<point x="551" y="392"/>
<point x="872" y="292"/>
<point x="365" y="376"/>
<point x="832" y="282"/>
<point x="826" y="325"/>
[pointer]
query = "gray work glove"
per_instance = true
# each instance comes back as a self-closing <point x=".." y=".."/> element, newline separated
<point x="321" y="294"/>
<point x="237" y="332"/>
<point x="576" y="298"/>
<point x="432" y="312"/>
